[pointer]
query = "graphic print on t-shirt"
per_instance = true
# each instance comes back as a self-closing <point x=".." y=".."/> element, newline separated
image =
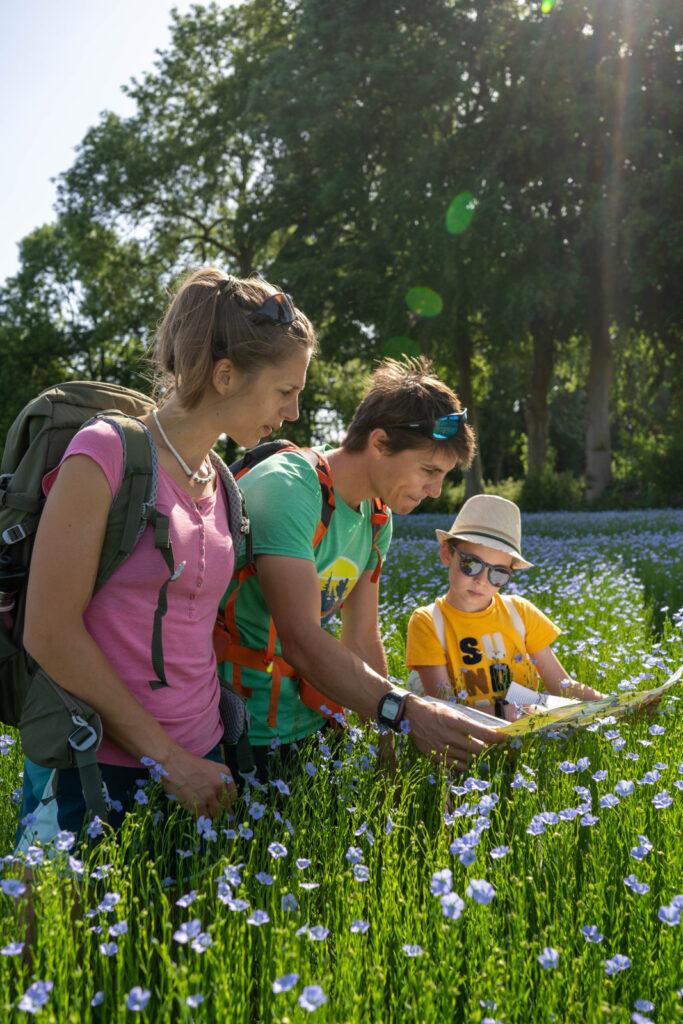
<point x="336" y="583"/>
<point x="477" y="682"/>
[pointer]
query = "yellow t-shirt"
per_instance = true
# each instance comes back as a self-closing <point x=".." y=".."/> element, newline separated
<point x="484" y="650"/>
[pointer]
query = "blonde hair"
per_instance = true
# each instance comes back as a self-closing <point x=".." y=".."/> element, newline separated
<point x="207" y="320"/>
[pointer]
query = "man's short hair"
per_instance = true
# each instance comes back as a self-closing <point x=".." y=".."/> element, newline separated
<point x="408" y="392"/>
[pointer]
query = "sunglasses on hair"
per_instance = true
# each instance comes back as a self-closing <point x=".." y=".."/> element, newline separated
<point x="276" y="309"/>
<point x="472" y="565"/>
<point x="443" y="428"/>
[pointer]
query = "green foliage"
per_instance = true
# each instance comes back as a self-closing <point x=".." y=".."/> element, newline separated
<point x="521" y="163"/>
<point x="551" y="492"/>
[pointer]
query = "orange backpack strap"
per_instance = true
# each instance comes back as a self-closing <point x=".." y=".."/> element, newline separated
<point x="378" y="519"/>
<point x="227" y="640"/>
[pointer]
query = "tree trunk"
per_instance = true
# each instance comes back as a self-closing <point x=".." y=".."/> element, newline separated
<point x="536" y="411"/>
<point x="598" y="444"/>
<point x="474" y="480"/>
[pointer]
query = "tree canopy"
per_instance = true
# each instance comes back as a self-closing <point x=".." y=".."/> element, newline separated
<point x="493" y="183"/>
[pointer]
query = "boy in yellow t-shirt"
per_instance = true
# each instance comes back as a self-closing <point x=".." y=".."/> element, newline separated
<point x="473" y="642"/>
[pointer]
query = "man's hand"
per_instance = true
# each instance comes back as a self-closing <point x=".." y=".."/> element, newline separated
<point x="199" y="784"/>
<point x="446" y="733"/>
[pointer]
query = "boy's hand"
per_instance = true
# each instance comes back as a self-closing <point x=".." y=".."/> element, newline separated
<point x="579" y="691"/>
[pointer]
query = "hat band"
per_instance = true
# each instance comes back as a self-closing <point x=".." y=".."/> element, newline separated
<point x="490" y="536"/>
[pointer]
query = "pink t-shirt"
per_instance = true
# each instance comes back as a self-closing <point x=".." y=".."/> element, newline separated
<point x="120" y="615"/>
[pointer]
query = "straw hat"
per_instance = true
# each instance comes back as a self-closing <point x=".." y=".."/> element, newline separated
<point x="492" y="521"/>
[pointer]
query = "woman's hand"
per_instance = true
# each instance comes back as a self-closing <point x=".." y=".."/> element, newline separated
<point x="199" y="784"/>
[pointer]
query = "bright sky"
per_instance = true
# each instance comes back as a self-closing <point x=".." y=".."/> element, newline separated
<point x="62" y="62"/>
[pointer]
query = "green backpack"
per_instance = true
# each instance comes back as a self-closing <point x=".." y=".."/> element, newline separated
<point x="57" y="729"/>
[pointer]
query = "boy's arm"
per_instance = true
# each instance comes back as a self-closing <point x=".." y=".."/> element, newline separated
<point x="360" y="625"/>
<point x="554" y="674"/>
<point x="435" y="680"/>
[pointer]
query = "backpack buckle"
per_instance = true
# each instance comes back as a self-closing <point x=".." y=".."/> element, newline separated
<point x="84" y="737"/>
<point x="13" y="534"/>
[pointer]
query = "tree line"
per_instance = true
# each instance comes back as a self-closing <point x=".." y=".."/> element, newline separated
<point x="494" y="183"/>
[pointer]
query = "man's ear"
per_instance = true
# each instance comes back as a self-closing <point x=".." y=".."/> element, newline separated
<point x="377" y="441"/>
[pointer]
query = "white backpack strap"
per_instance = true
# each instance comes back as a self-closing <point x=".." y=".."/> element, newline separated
<point x="437" y="620"/>
<point x="517" y="620"/>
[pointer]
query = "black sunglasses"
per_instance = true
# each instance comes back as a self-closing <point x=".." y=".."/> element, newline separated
<point x="472" y="565"/>
<point x="442" y="429"/>
<point x="276" y="309"/>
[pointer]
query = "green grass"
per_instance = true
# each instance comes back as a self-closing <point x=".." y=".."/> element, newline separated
<point x="547" y="887"/>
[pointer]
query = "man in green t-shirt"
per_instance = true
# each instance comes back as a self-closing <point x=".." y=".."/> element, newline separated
<point x="408" y="432"/>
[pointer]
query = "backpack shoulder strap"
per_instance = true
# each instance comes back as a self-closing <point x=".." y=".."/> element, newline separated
<point x="238" y="520"/>
<point x="378" y="518"/>
<point x="136" y="497"/>
<point x="517" y="620"/>
<point x="438" y="623"/>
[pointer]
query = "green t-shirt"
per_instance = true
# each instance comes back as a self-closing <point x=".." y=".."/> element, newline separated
<point x="284" y="503"/>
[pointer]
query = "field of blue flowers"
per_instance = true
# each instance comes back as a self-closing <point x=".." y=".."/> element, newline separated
<point x="545" y="885"/>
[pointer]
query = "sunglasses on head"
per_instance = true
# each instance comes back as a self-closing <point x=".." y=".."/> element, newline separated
<point x="278" y="308"/>
<point x="442" y="429"/>
<point x="472" y="565"/>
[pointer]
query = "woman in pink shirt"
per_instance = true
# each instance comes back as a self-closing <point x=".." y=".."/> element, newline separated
<point x="231" y="357"/>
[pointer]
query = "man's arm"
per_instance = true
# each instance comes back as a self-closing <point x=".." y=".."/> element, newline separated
<point x="292" y="591"/>
<point x="360" y="626"/>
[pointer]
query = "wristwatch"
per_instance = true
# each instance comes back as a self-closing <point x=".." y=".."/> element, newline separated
<point x="391" y="708"/>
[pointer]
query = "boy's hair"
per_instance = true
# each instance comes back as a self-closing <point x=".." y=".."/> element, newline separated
<point x="408" y="392"/>
<point x="207" y="320"/>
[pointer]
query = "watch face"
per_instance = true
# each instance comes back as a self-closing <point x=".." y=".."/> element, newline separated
<point x="391" y="705"/>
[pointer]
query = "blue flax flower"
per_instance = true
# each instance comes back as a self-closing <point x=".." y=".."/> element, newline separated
<point x="258" y="918"/>
<point x="640" y="888"/>
<point x="452" y="906"/>
<point x="188" y="930"/>
<point x="442" y="882"/>
<point x="285" y="983"/>
<point x="671" y="914"/>
<point x="412" y="950"/>
<point x="549" y="958"/>
<point x="137" y="999"/>
<point x="481" y="891"/>
<point x="12" y="949"/>
<point x="35" y="997"/>
<point x="311" y="998"/>
<point x="591" y="934"/>
<point x="359" y="927"/>
<point x="617" y="963"/>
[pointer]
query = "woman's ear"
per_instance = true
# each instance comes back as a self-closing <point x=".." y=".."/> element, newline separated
<point x="223" y="376"/>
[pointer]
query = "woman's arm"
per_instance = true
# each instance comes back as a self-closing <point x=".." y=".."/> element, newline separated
<point x="62" y="578"/>
<point x="554" y="674"/>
